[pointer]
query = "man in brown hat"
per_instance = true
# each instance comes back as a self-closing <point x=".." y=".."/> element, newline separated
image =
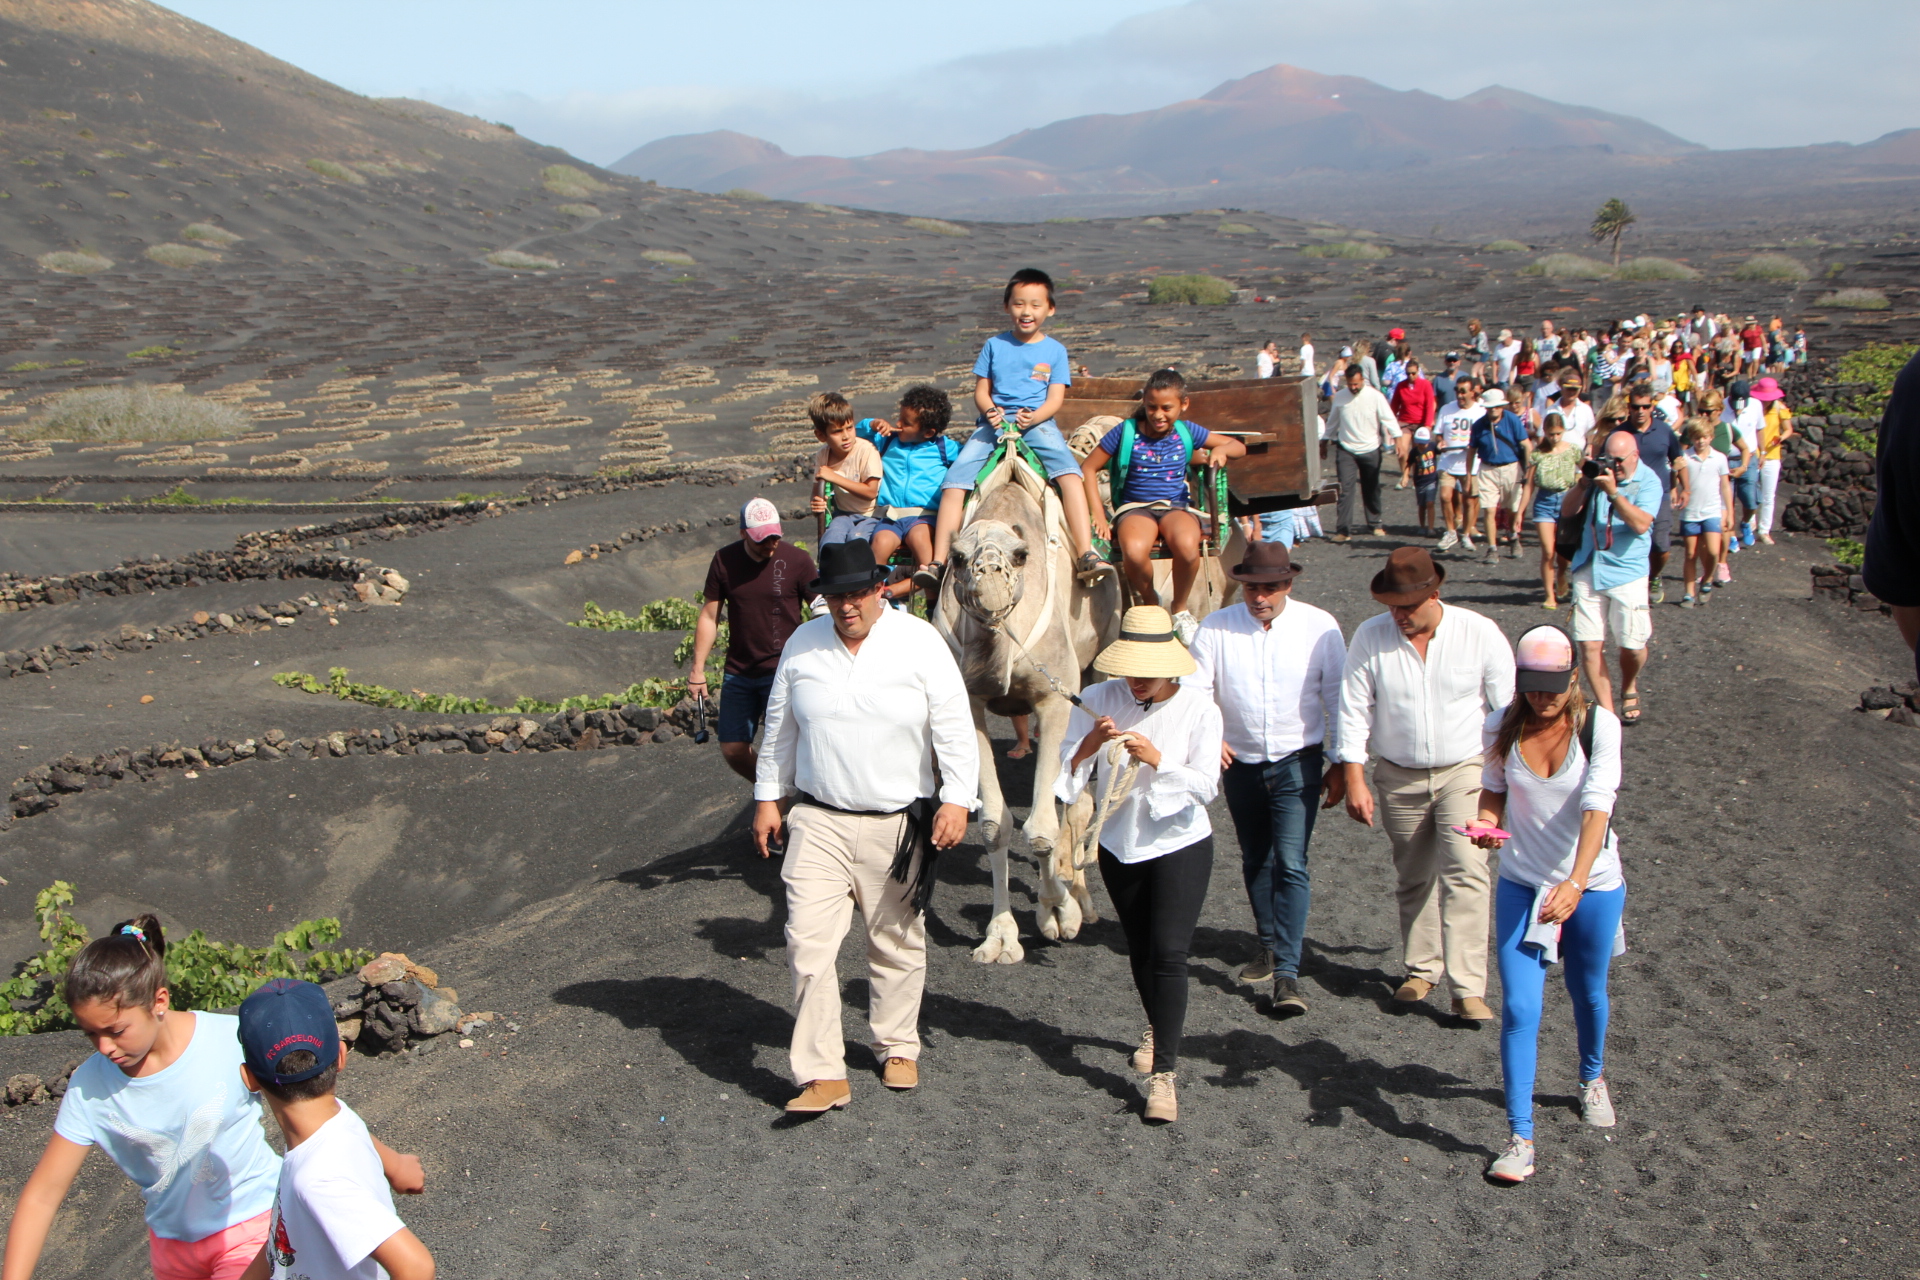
<point x="1273" y="665"/>
<point x="1419" y="682"/>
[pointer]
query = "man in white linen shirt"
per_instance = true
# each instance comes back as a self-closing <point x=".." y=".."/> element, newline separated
<point x="1420" y="680"/>
<point x="1360" y="424"/>
<point x="867" y="716"/>
<point x="1273" y="665"/>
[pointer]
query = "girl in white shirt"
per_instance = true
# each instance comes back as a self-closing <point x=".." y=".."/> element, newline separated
<point x="1156" y="844"/>
<point x="1560" y="893"/>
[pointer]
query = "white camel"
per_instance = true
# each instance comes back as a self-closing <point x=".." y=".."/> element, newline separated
<point x="1015" y="615"/>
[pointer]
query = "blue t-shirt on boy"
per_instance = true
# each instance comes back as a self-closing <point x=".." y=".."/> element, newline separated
<point x="911" y="473"/>
<point x="1022" y="372"/>
<point x="1157" y="469"/>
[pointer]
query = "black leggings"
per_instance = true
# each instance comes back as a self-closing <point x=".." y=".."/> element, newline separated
<point x="1159" y="904"/>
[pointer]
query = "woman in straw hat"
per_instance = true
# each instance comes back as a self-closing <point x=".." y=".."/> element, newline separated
<point x="1156" y="844"/>
<point x="1551" y="774"/>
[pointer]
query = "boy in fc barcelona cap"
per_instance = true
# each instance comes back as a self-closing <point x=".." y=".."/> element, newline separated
<point x="333" y="1217"/>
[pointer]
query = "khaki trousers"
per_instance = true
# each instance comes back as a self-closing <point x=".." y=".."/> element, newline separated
<point x="834" y="862"/>
<point x="1446" y="880"/>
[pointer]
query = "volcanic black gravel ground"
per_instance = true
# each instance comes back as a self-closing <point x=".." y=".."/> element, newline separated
<point x="1763" y="1050"/>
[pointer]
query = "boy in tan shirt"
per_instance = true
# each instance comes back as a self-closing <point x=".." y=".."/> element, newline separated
<point x="848" y="463"/>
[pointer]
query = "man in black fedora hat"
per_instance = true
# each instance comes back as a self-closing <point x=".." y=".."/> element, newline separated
<point x="1273" y="666"/>
<point x="1419" y="682"/>
<point x="871" y="764"/>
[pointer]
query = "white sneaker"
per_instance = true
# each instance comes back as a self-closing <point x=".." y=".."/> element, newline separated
<point x="1515" y="1164"/>
<point x="1448" y="539"/>
<point x="1466" y="541"/>
<point x="1596" y="1104"/>
<point x="1185" y="627"/>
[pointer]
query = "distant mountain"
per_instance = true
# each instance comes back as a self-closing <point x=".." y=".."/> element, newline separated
<point x="1264" y="126"/>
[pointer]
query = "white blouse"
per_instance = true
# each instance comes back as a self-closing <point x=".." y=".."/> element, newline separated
<point x="1543" y="814"/>
<point x="1166" y="810"/>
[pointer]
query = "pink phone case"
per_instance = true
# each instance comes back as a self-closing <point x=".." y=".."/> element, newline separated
<point x="1495" y="832"/>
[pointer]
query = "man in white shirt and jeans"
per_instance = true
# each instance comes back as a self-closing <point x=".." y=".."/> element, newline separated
<point x="1420" y="680"/>
<point x="1273" y="665"/>
<point x="867" y="717"/>
<point x="1360" y="424"/>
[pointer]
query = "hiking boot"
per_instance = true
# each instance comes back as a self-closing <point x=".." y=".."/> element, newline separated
<point x="1256" y="970"/>
<point x="1513" y="549"/>
<point x="1143" y="1056"/>
<point x="1413" y="990"/>
<point x="1340" y="537"/>
<point x="1473" y="1009"/>
<point x="1163" y="1105"/>
<point x="1286" y="997"/>
<point x="927" y="576"/>
<point x="1515" y="1164"/>
<point x="1447" y="540"/>
<point x="1596" y="1104"/>
<point x="822" y="1095"/>
<point x="1091" y="568"/>
<point x="1185" y="627"/>
<point x="900" y="1073"/>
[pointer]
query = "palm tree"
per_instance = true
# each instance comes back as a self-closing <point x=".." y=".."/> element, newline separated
<point x="1612" y="219"/>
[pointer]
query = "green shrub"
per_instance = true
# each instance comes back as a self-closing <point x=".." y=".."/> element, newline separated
<point x="672" y="256"/>
<point x="1655" y="269"/>
<point x="179" y="497"/>
<point x="1189" y="290"/>
<point x="1854" y="299"/>
<point x="181" y="255"/>
<point x="1235" y="229"/>
<point x="1153" y="222"/>
<point x="1063" y="220"/>
<point x="745" y="193"/>
<point x="670" y="614"/>
<point x="155" y="352"/>
<point x="210" y="234"/>
<point x="1848" y="551"/>
<point x="1347" y="249"/>
<point x="573" y="183"/>
<point x="336" y="172"/>
<point x="579" y="210"/>
<point x="201" y="973"/>
<point x="1568" y="266"/>
<point x="938" y="226"/>
<point x="29" y="366"/>
<point x="514" y="259"/>
<point x="1772" y="266"/>
<point x="75" y="262"/>
<point x="101" y="415"/>
<point x="652" y="692"/>
<point x="1504" y="246"/>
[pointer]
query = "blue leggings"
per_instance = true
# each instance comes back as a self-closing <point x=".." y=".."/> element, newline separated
<point x="1586" y="949"/>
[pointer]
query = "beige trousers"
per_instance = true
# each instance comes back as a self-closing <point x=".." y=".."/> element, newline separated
<point x="1446" y="880"/>
<point x="834" y="862"/>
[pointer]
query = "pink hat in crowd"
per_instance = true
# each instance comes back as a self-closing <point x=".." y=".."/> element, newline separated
<point x="1766" y="389"/>
<point x="1543" y="659"/>
<point x="761" y="519"/>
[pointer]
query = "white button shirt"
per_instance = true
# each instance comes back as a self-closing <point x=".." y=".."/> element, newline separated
<point x="1422" y="715"/>
<point x="1277" y="687"/>
<point x="1167" y="808"/>
<point x="861" y="730"/>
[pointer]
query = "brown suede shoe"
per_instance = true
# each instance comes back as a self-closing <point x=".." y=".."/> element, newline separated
<point x="822" y="1095"/>
<point x="900" y="1073"/>
<point x="1163" y="1102"/>
<point x="1413" y="990"/>
<point x="1473" y="1009"/>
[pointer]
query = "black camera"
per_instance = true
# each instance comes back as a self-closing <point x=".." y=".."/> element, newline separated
<point x="1606" y="462"/>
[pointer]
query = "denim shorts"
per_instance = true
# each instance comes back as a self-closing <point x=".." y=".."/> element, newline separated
<point x="1426" y="491"/>
<point x="743" y="706"/>
<point x="1694" y="528"/>
<point x="1546" y="506"/>
<point x="1746" y="488"/>
<point x="1042" y="437"/>
<point x="902" y="527"/>
<point x="849" y="528"/>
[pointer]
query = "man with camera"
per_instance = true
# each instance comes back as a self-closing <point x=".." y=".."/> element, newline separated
<point x="1613" y="506"/>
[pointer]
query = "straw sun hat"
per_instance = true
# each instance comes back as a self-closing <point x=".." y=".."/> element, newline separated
<point x="1147" y="647"/>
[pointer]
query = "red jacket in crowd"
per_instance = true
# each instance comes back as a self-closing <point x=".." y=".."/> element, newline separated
<point x="1413" y="404"/>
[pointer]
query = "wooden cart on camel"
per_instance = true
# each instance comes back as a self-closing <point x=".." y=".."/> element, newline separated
<point x="1277" y="420"/>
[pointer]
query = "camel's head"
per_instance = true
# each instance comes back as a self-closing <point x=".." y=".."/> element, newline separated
<point x="988" y="560"/>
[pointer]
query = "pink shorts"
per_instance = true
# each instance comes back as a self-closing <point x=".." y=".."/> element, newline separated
<point x="221" y="1256"/>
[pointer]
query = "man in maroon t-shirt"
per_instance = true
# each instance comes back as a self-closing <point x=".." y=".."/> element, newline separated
<point x="758" y="579"/>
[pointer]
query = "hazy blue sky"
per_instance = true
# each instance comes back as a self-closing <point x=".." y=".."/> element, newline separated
<point x="601" y="77"/>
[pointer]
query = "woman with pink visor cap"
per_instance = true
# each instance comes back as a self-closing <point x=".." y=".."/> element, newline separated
<point x="1551" y="774"/>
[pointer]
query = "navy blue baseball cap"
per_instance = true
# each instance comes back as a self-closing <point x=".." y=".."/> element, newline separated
<point x="282" y="1016"/>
